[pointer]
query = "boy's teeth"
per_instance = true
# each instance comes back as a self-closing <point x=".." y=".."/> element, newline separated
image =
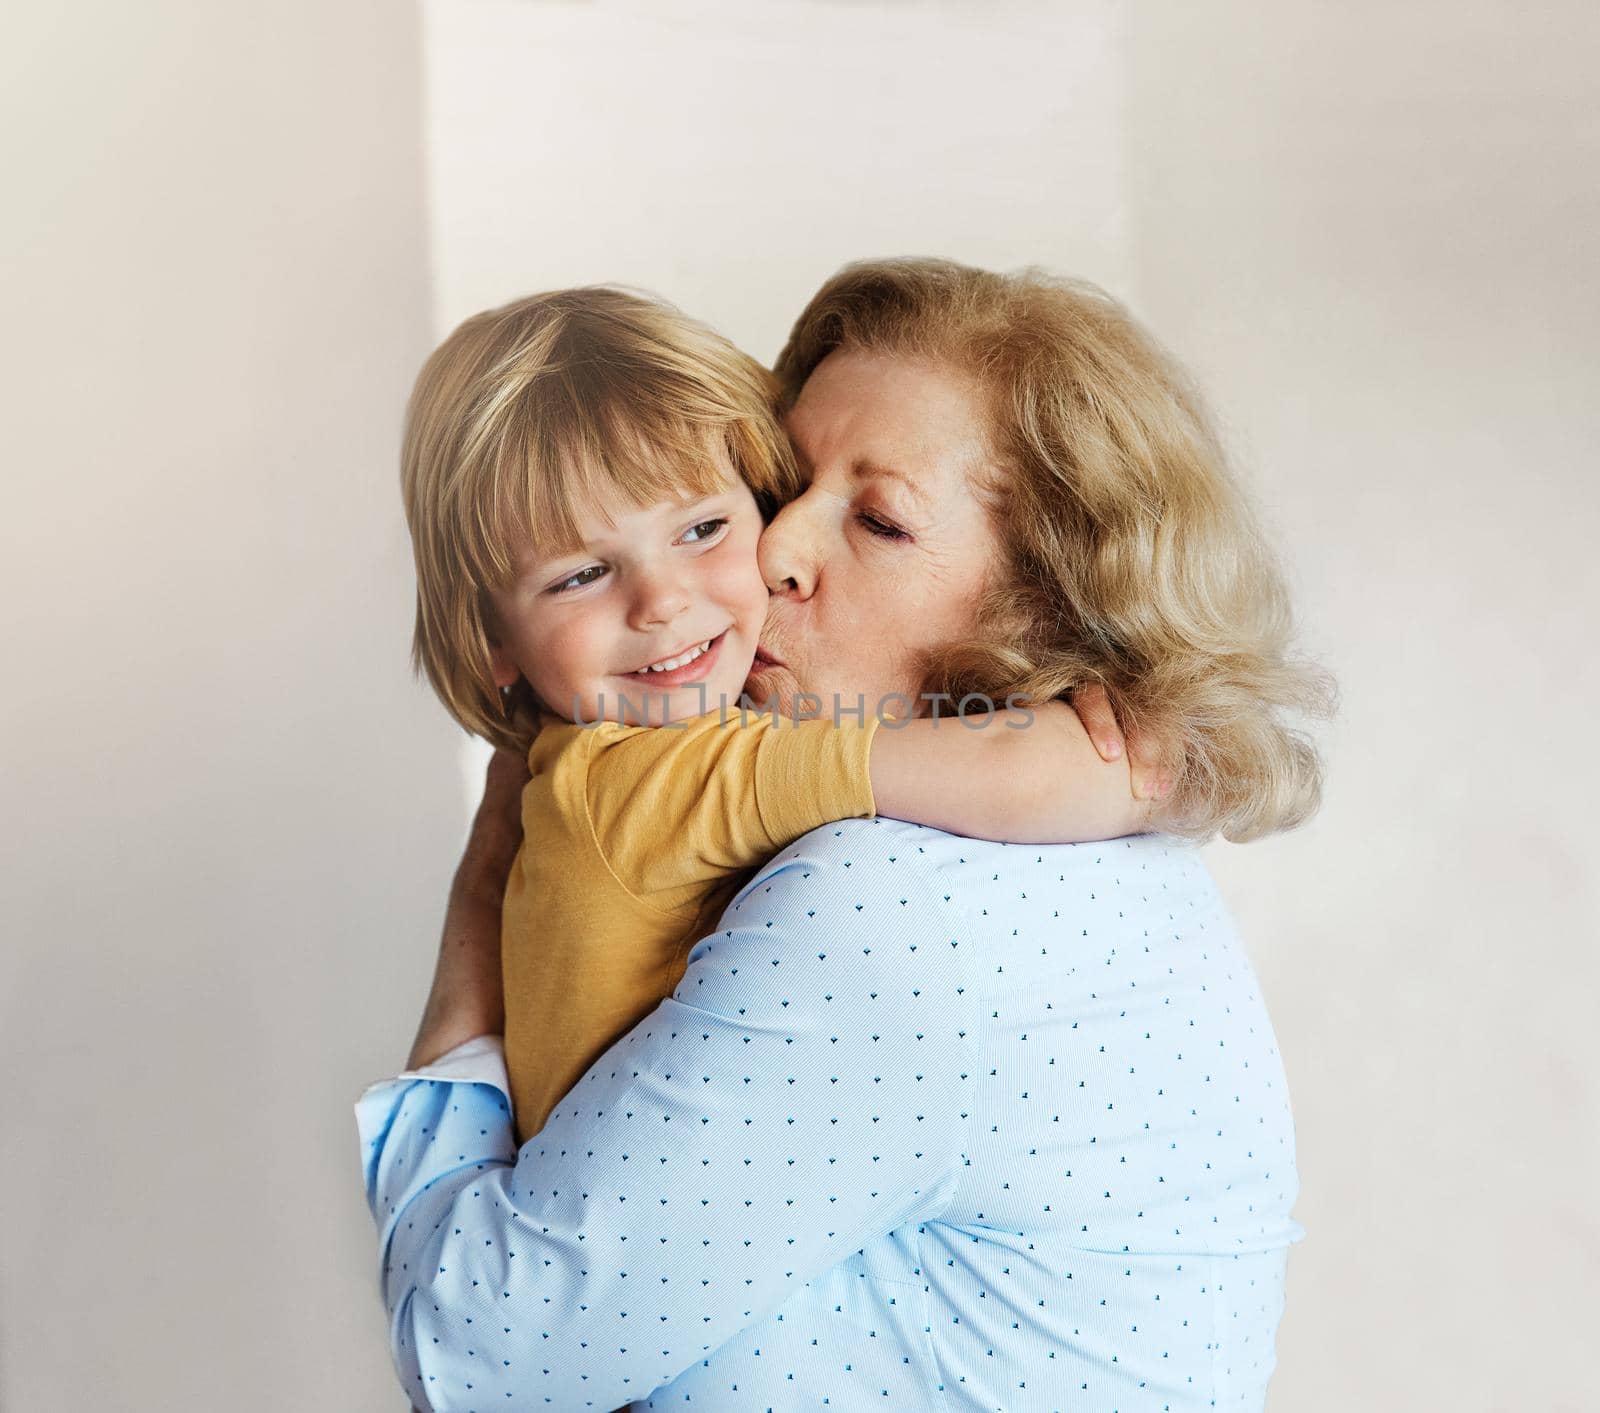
<point x="673" y="662"/>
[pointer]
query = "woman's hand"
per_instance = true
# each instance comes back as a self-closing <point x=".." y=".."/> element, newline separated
<point x="466" y="1000"/>
<point x="1152" y="777"/>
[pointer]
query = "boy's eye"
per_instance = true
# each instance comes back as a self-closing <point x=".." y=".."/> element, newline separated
<point x="708" y="527"/>
<point x="577" y="581"/>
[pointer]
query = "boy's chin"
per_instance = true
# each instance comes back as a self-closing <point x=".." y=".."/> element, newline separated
<point x="642" y="706"/>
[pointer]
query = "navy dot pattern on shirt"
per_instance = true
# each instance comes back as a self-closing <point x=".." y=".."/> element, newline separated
<point x="930" y="1122"/>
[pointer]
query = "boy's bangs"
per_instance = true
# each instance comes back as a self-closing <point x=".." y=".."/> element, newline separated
<point x="635" y="461"/>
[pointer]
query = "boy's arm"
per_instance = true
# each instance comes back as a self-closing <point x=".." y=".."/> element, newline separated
<point x="1039" y="783"/>
<point x="673" y="808"/>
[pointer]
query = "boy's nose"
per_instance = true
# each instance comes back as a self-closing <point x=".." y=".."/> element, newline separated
<point x="659" y="602"/>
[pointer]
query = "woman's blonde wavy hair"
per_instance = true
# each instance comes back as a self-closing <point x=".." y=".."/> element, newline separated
<point x="1133" y="558"/>
<point x="528" y="412"/>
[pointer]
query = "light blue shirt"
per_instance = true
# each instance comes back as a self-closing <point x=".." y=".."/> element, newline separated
<point x="929" y="1123"/>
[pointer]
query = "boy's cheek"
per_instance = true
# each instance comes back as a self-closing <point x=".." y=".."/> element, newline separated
<point x="555" y="665"/>
<point x="754" y="611"/>
<point x="745" y="582"/>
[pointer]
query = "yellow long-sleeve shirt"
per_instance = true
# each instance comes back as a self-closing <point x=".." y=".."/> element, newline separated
<point x="634" y="840"/>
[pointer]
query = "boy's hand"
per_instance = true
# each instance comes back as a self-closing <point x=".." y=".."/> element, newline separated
<point x="1152" y="778"/>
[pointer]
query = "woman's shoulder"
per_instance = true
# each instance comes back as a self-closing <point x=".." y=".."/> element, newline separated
<point x="886" y="845"/>
<point x="848" y="858"/>
<point x="855" y="869"/>
<point x="860" y="854"/>
<point x="986" y="888"/>
<point x="846" y="920"/>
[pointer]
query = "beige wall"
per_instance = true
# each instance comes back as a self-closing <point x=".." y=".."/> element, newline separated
<point x="732" y="156"/>
<point x="1368" y="228"/>
<point x="228" y="813"/>
<point x="1373" y="230"/>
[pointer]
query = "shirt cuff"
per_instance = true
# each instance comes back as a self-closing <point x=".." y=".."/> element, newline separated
<point x="814" y="771"/>
<point x="481" y="1060"/>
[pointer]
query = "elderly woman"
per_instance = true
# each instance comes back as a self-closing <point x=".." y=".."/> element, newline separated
<point x="928" y="1121"/>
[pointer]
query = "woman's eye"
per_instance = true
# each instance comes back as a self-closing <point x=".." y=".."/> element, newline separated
<point x="710" y="527"/>
<point x="878" y="527"/>
<point x="577" y="581"/>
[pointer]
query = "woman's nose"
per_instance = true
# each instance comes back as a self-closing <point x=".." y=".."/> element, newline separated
<point x="787" y="554"/>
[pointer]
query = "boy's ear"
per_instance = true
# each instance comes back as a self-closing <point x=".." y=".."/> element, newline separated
<point x="501" y="668"/>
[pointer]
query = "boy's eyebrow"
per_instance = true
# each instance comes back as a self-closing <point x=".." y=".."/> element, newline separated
<point x="694" y="497"/>
<point x="550" y="557"/>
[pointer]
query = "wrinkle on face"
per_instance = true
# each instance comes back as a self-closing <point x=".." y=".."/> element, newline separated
<point x="850" y="611"/>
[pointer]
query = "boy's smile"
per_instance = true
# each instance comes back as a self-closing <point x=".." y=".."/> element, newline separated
<point x="693" y="664"/>
<point x="654" y="615"/>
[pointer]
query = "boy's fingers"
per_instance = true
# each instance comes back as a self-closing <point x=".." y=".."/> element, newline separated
<point x="1148" y="768"/>
<point x="1151" y="767"/>
<point x="1150" y="782"/>
<point x="1094" y="711"/>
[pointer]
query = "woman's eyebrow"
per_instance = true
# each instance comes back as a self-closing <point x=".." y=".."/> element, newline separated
<point x="866" y="467"/>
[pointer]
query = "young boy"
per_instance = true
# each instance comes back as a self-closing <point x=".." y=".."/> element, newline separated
<point x="586" y="474"/>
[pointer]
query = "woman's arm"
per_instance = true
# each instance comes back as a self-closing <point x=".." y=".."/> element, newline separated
<point x="1042" y="782"/>
<point x="465" y="1000"/>
<point x="805" y="1089"/>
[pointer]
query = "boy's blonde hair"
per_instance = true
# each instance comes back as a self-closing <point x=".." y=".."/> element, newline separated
<point x="526" y="414"/>
<point x="1132" y="557"/>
